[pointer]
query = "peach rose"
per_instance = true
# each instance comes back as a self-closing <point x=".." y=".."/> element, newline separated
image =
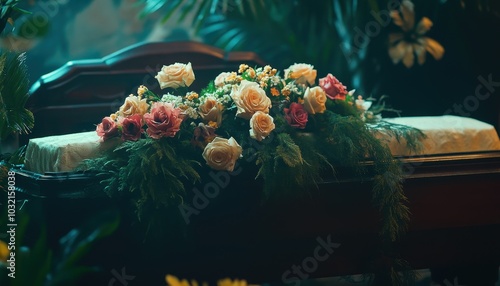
<point x="211" y="110"/>
<point x="249" y="97"/>
<point x="133" y="105"/>
<point x="107" y="129"/>
<point x="261" y="125"/>
<point x="175" y="75"/>
<point x="301" y="73"/>
<point x="315" y="100"/>
<point x="221" y="154"/>
<point x="220" y="80"/>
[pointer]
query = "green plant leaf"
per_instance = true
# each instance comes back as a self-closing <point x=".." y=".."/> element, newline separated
<point x="78" y="241"/>
<point x="14" y="117"/>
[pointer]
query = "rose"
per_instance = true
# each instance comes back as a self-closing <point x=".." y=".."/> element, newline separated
<point x="163" y="121"/>
<point x="220" y="80"/>
<point x="211" y="110"/>
<point x="107" y="128"/>
<point x="249" y="97"/>
<point x="333" y="88"/>
<point x="261" y="125"/>
<point x="315" y="100"/>
<point x="133" y="105"/>
<point x="221" y="154"/>
<point x="131" y="127"/>
<point x="296" y="115"/>
<point x="202" y="135"/>
<point x="175" y="75"/>
<point x="301" y="73"/>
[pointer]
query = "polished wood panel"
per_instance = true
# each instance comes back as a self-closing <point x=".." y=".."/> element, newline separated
<point x="454" y="200"/>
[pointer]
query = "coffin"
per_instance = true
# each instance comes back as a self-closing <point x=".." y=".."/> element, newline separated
<point x="454" y="198"/>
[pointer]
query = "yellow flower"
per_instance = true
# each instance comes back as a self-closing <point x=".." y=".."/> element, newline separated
<point x="229" y="282"/>
<point x="213" y="124"/>
<point x="404" y="46"/>
<point x="141" y="90"/>
<point x="191" y="96"/>
<point x="4" y="252"/>
<point x="232" y="77"/>
<point x="243" y="67"/>
<point x="285" y="91"/>
<point x="300" y="100"/>
<point x="251" y="72"/>
<point x="174" y="281"/>
<point x="275" y="91"/>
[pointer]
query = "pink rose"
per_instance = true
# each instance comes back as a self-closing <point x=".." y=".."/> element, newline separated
<point x="107" y="128"/>
<point x="333" y="88"/>
<point x="132" y="127"/>
<point x="296" y="115"/>
<point x="163" y="121"/>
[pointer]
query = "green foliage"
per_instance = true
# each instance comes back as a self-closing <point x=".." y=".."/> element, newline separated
<point x="153" y="171"/>
<point x="37" y="263"/>
<point x="14" y="117"/>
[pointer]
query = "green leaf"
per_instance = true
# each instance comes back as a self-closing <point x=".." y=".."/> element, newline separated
<point x="14" y="117"/>
<point x="78" y="241"/>
<point x="288" y="151"/>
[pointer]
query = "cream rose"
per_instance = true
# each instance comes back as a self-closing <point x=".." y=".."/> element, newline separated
<point x="261" y="125"/>
<point x="175" y="75"/>
<point x="221" y="154"/>
<point x="133" y="105"/>
<point x="315" y="100"/>
<point x="249" y="97"/>
<point x="211" y="110"/>
<point x="301" y="73"/>
<point x="220" y="80"/>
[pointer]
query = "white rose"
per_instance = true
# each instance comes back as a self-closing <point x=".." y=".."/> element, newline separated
<point x="261" y="125"/>
<point x="221" y="154"/>
<point x="315" y="100"/>
<point x="249" y="97"/>
<point x="175" y="75"/>
<point x="301" y="73"/>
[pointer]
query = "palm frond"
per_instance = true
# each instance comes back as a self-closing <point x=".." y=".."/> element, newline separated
<point x="14" y="85"/>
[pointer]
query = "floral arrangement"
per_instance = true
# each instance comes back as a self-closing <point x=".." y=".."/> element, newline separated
<point x="286" y="125"/>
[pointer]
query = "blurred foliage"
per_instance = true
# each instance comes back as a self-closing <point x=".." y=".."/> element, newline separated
<point x="37" y="264"/>
<point x="19" y="28"/>
<point x="348" y="39"/>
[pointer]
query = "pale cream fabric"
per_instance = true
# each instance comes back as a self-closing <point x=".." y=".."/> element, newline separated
<point x="445" y="134"/>
<point x="64" y="152"/>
